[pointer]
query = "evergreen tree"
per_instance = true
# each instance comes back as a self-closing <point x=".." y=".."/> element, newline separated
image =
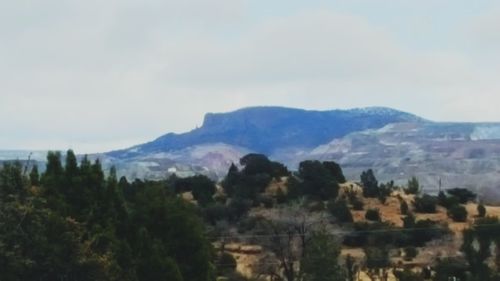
<point x="34" y="176"/>
<point x="481" y="211"/>
<point x="413" y="186"/>
<point x="320" y="262"/>
<point x="370" y="184"/>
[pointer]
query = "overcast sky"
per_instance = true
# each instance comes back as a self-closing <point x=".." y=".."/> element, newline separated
<point x="96" y="75"/>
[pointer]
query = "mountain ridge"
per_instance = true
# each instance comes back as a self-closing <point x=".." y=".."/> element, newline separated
<point x="281" y="126"/>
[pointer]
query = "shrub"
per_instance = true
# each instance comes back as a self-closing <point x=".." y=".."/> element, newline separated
<point x="447" y="201"/>
<point x="384" y="191"/>
<point x="408" y="275"/>
<point x="316" y="206"/>
<point x="413" y="186"/>
<point x="464" y="195"/>
<point x="267" y="201"/>
<point x="425" y="204"/>
<point x="216" y="212"/>
<point x="481" y="211"/>
<point x="357" y="204"/>
<point x="226" y="263"/>
<point x="317" y="181"/>
<point x="404" y="207"/>
<point x="458" y="213"/>
<point x="340" y="211"/>
<point x="410" y="253"/>
<point x="281" y="197"/>
<point x="239" y="207"/>
<point x="372" y="215"/>
<point x="427" y="230"/>
<point x="377" y="257"/>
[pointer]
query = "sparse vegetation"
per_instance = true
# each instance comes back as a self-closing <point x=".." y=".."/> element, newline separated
<point x="372" y="215"/>
<point x="462" y="194"/>
<point x="370" y="184"/>
<point x="458" y="213"/>
<point x="154" y="230"/>
<point x="403" y="207"/>
<point x="340" y="211"/>
<point x="425" y="204"/>
<point x="410" y="253"/>
<point x="413" y="186"/>
<point x="481" y="211"/>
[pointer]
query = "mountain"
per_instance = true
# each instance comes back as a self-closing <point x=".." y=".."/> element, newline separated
<point x="395" y="144"/>
<point x="268" y="129"/>
<point x="225" y="137"/>
<point x="455" y="154"/>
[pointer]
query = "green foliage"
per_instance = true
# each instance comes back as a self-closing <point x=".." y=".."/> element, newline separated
<point x="226" y="263"/>
<point x="481" y="211"/>
<point x="356" y="202"/>
<point x="477" y="244"/>
<point x="268" y="201"/>
<point x="464" y="195"/>
<point x="254" y="178"/>
<point x="280" y="196"/>
<point x="408" y="275"/>
<point x="351" y="268"/>
<point x="231" y="180"/>
<point x="79" y="225"/>
<point x="447" y="201"/>
<point x="372" y="215"/>
<point x="12" y="182"/>
<point x="335" y="170"/>
<point x="340" y="211"/>
<point x="320" y="261"/>
<point x="413" y="186"/>
<point x="449" y="268"/>
<point x="370" y="184"/>
<point x="217" y="212"/>
<point x="403" y="206"/>
<point x="34" y="176"/>
<point x="366" y="234"/>
<point x="294" y="188"/>
<point x="315" y="206"/>
<point x="377" y="257"/>
<point x="377" y="234"/>
<point x="425" y="204"/>
<point x="410" y="253"/>
<point x="385" y="191"/>
<point x="317" y="181"/>
<point x="239" y="207"/>
<point x="202" y="187"/>
<point x="458" y="213"/>
<point x="255" y="164"/>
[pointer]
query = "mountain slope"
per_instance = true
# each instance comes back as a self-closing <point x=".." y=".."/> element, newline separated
<point x="457" y="154"/>
<point x="267" y="129"/>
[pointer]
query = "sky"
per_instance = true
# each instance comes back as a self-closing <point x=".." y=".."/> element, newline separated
<point x="99" y="75"/>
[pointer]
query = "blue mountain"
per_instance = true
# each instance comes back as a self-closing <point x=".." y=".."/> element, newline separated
<point x="267" y="129"/>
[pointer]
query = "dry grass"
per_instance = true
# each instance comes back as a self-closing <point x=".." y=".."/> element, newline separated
<point x="248" y="256"/>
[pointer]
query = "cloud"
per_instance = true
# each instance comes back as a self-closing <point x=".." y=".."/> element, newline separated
<point x="98" y="75"/>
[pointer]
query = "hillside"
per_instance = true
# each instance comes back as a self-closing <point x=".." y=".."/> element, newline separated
<point x="395" y="144"/>
<point x="249" y="253"/>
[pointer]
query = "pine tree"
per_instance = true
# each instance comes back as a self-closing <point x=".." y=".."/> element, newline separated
<point x="34" y="176"/>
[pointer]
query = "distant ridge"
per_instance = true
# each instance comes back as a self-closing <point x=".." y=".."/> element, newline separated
<point x="267" y="129"/>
